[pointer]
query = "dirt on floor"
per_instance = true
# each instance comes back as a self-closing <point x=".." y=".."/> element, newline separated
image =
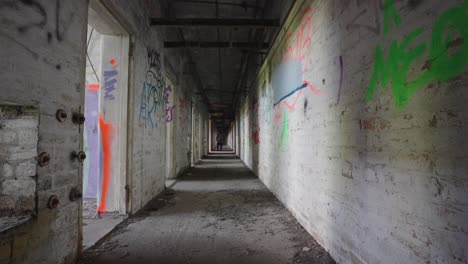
<point x="213" y="225"/>
<point x="89" y="208"/>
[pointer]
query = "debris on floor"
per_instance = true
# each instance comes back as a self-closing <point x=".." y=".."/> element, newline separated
<point x="218" y="214"/>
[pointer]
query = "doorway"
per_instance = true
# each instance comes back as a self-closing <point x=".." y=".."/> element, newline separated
<point x="105" y="130"/>
<point x="169" y="92"/>
<point x="222" y="135"/>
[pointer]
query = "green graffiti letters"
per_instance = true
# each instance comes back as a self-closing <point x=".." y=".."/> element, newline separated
<point x="445" y="66"/>
<point x="441" y="65"/>
<point x="285" y="129"/>
<point x="390" y="11"/>
<point x="396" y="69"/>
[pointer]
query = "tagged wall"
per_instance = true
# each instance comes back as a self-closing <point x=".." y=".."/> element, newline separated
<point x="149" y="127"/>
<point x="358" y="125"/>
<point x="105" y="125"/>
<point x="43" y="51"/>
<point x="149" y="115"/>
<point x="42" y="46"/>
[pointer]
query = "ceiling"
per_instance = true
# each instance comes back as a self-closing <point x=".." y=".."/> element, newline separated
<point x="225" y="73"/>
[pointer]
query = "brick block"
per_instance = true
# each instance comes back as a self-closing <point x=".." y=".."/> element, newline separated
<point x="26" y="169"/>
<point x="7" y="204"/>
<point x="14" y="153"/>
<point x="27" y="137"/>
<point x="7" y="137"/>
<point x="18" y="188"/>
<point x="23" y="123"/>
<point x="25" y="204"/>
<point x="7" y="171"/>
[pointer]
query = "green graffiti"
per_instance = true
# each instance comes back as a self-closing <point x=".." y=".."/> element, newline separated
<point x="440" y="67"/>
<point x="285" y="129"/>
<point x="444" y="66"/>
<point x="390" y="11"/>
<point x="396" y="69"/>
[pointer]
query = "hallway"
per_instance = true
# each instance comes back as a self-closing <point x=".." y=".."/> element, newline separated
<point x="234" y="131"/>
<point x="220" y="213"/>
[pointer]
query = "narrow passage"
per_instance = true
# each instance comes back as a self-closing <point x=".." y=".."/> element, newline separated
<point x="219" y="212"/>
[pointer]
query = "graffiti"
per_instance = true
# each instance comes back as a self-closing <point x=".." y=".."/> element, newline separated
<point x="169" y="113"/>
<point x="278" y="115"/>
<point x="93" y="86"/>
<point x="60" y="25"/>
<point x="152" y="94"/>
<point x="287" y="78"/>
<point x="341" y="80"/>
<point x="181" y="110"/>
<point x="256" y="136"/>
<point x="37" y="17"/>
<point x="448" y="55"/>
<point x="106" y="134"/>
<point x="110" y="81"/>
<point x="292" y="106"/>
<point x="390" y="11"/>
<point x="169" y="107"/>
<point x="38" y="13"/>
<point x="284" y="130"/>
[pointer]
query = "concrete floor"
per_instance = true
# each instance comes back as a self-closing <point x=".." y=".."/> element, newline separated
<point x="219" y="213"/>
<point x="97" y="226"/>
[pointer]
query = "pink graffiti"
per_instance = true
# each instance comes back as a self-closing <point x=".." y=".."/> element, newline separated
<point x="296" y="51"/>
<point x="256" y="136"/>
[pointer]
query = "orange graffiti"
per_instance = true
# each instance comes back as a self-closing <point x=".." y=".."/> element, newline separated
<point x="94" y="86"/>
<point x="106" y="132"/>
<point x="303" y="40"/>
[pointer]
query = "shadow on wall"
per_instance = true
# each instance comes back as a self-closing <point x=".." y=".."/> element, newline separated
<point x="358" y="127"/>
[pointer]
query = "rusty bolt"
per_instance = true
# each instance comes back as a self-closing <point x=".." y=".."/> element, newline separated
<point x="61" y="115"/>
<point x="78" y="118"/>
<point x="80" y="156"/>
<point x="43" y="159"/>
<point x="53" y="202"/>
<point x="75" y="194"/>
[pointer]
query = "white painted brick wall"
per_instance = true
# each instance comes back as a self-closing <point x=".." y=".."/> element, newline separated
<point x="148" y="159"/>
<point x="44" y="66"/>
<point x="372" y="182"/>
<point x="19" y="131"/>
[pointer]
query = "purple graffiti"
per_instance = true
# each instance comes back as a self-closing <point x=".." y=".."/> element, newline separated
<point x="109" y="84"/>
<point x="169" y="113"/>
<point x="110" y="80"/>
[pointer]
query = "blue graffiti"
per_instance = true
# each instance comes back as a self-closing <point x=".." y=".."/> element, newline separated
<point x="287" y="76"/>
<point x="152" y="99"/>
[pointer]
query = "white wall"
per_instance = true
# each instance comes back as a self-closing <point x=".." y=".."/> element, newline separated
<point x="374" y="177"/>
<point x="183" y="130"/>
<point x="200" y="137"/>
<point x="44" y="65"/>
